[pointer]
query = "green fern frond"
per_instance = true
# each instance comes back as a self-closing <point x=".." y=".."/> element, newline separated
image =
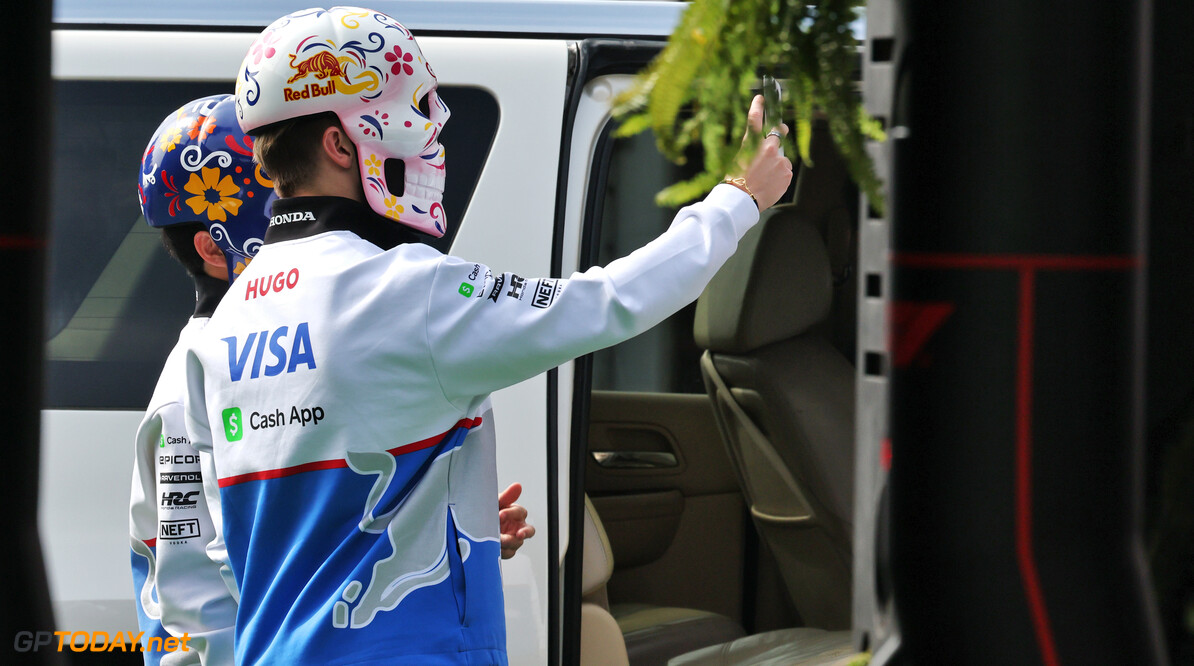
<point x="710" y="66"/>
<point x="632" y="125"/>
<point x="686" y="191"/>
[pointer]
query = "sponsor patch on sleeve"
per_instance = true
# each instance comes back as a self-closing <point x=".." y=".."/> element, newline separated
<point x="545" y="292"/>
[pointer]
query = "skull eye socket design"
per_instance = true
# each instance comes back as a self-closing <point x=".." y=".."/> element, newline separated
<point x="425" y="105"/>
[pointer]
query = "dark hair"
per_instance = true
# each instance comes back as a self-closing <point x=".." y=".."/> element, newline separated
<point x="287" y="149"/>
<point x="179" y="240"/>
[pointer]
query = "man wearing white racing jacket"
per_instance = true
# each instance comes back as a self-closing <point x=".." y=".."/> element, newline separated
<point x="198" y="184"/>
<point x="343" y="389"/>
<point x="210" y="202"/>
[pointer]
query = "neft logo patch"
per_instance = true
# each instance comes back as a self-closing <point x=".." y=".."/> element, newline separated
<point x="179" y="529"/>
<point x="234" y="428"/>
<point x="300" y="352"/>
<point x="545" y="293"/>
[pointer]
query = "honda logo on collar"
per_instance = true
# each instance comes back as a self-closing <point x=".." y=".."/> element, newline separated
<point x="285" y="218"/>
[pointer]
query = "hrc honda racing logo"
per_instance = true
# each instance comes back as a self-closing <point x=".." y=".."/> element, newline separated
<point x="179" y="500"/>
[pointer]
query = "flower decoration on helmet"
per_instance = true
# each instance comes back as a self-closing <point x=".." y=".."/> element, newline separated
<point x="199" y="167"/>
<point x="367" y="69"/>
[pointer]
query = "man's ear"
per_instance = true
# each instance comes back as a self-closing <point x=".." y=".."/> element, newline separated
<point x="339" y="148"/>
<point x="213" y="257"/>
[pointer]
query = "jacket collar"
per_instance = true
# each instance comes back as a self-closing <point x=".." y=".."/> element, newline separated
<point x="208" y="292"/>
<point x="302" y="217"/>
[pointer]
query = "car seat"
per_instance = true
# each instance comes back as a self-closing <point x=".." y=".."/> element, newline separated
<point x="646" y="635"/>
<point x="783" y="395"/>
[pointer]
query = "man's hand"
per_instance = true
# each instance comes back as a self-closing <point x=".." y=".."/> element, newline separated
<point x="513" y="520"/>
<point x="769" y="173"/>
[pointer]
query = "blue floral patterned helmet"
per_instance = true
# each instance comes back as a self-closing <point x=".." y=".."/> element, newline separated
<point x="198" y="167"/>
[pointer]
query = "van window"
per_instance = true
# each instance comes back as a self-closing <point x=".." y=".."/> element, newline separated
<point x="115" y="301"/>
<point x="664" y="359"/>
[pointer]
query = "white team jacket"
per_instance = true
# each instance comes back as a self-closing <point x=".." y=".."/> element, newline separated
<point x="343" y="392"/>
<point x="175" y="583"/>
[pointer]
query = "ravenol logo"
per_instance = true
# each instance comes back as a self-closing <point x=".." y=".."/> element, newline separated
<point x="466" y="289"/>
<point x="234" y="428"/>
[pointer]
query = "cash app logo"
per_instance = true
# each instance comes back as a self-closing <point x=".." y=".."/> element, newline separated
<point x="234" y="428"/>
<point x="466" y="289"/>
<point x="162" y="441"/>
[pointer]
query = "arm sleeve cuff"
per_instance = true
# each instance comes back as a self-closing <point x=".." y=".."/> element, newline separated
<point x="742" y="209"/>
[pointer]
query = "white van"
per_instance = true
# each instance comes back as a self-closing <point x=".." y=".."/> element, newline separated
<point x="536" y="185"/>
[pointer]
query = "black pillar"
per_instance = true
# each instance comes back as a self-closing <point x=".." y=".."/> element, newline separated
<point x="1019" y="205"/>
<point x="24" y="172"/>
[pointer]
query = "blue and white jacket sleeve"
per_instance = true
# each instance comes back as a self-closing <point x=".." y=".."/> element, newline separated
<point x="143" y="531"/>
<point x="488" y="330"/>
<point x="191" y="596"/>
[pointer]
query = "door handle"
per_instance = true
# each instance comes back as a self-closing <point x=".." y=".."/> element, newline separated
<point x="634" y="459"/>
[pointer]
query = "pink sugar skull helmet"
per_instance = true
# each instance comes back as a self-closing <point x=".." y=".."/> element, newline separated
<point x="367" y="69"/>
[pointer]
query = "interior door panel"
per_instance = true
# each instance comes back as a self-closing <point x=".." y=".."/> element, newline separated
<point x="664" y="489"/>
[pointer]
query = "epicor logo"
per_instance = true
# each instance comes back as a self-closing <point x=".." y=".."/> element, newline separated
<point x="300" y="352"/>
<point x="188" y="459"/>
<point x="234" y="429"/>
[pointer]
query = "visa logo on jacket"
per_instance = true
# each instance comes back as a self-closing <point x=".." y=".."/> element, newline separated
<point x="256" y="343"/>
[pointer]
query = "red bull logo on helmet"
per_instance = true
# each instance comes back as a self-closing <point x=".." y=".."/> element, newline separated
<point x="325" y="66"/>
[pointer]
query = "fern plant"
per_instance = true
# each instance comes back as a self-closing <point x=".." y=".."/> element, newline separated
<point x="712" y="62"/>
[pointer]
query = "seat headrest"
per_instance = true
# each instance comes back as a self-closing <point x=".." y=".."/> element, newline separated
<point x="777" y="285"/>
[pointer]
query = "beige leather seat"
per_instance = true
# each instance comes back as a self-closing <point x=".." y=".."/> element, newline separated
<point x="638" y="634"/>
<point x="786" y="647"/>
<point x="784" y="400"/>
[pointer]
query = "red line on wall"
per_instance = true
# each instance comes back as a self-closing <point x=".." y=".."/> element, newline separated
<point x="1027" y="265"/>
<point x="21" y="243"/>
<point x="1043" y="262"/>
<point x="1024" y="552"/>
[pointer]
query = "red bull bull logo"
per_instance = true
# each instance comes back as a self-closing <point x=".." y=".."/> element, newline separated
<point x="323" y="65"/>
